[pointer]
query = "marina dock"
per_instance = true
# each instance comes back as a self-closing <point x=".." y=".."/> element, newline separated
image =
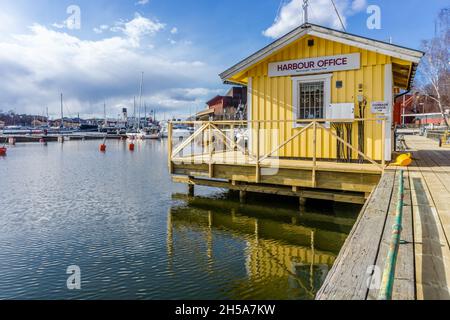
<point x="54" y="138"/>
<point x="423" y="264"/>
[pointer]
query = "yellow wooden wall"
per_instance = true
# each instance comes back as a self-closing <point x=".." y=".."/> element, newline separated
<point x="272" y="98"/>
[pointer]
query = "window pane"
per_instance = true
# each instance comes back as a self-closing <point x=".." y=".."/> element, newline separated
<point x="311" y="96"/>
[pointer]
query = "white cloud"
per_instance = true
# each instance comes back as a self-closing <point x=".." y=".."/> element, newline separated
<point x="58" y="25"/>
<point x="138" y="28"/>
<point x="36" y="66"/>
<point x="101" y="29"/>
<point x="142" y="2"/>
<point x="320" y="12"/>
<point x="174" y="30"/>
<point x="359" y="5"/>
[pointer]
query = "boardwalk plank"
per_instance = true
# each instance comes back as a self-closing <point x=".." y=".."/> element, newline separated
<point x="349" y="278"/>
<point x="404" y="285"/>
<point x="429" y="178"/>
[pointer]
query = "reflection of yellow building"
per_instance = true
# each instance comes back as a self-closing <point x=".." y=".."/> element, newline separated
<point x="266" y="259"/>
<point x="274" y="250"/>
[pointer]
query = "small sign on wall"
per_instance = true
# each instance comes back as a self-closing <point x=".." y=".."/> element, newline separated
<point x="380" y="107"/>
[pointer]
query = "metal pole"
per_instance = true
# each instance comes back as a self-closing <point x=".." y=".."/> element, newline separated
<point x="305" y="10"/>
<point x="62" y="112"/>
<point x="140" y="101"/>
<point x="387" y="283"/>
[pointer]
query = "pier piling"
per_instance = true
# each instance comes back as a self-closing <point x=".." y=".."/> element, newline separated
<point x="191" y="190"/>
<point x="243" y="196"/>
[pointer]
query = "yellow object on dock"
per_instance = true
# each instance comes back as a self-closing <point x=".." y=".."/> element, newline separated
<point x="403" y="160"/>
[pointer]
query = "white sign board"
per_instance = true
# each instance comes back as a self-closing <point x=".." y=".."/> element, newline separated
<point x="341" y="111"/>
<point x="315" y="65"/>
<point x="380" y="107"/>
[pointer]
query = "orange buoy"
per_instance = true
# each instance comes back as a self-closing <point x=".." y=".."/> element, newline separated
<point x="103" y="147"/>
<point x="3" y="151"/>
<point x="131" y="147"/>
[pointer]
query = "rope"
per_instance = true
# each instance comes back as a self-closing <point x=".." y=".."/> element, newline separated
<point x="339" y="16"/>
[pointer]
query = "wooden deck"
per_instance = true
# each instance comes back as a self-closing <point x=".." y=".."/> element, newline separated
<point x="280" y="176"/>
<point x="423" y="265"/>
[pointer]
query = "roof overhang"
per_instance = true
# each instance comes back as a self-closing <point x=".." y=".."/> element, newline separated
<point x="205" y="113"/>
<point x="381" y="47"/>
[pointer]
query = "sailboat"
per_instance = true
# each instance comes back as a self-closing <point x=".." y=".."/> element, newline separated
<point x="146" y="132"/>
<point x="61" y="129"/>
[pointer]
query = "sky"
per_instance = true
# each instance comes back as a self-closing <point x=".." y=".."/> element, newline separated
<point x="94" y="51"/>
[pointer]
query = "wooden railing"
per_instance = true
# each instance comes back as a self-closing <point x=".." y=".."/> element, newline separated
<point x="219" y="137"/>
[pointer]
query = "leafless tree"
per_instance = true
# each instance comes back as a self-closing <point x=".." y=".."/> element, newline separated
<point x="434" y="71"/>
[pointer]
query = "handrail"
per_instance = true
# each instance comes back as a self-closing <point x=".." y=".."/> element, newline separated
<point x="234" y="144"/>
<point x="228" y="122"/>
<point x="190" y="139"/>
<point x="261" y="155"/>
<point x="286" y="142"/>
<point x="353" y="148"/>
<point x="387" y="283"/>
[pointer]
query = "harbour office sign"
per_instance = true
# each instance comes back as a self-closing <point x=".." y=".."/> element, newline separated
<point x="315" y="65"/>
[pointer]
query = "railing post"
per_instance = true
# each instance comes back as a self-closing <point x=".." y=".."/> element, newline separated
<point x="170" y="146"/>
<point x="258" y="171"/>
<point x="211" y="150"/>
<point x="314" y="154"/>
<point x="383" y="143"/>
<point x="233" y="136"/>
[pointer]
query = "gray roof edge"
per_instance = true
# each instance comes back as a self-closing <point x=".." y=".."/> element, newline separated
<point x="306" y="29"/>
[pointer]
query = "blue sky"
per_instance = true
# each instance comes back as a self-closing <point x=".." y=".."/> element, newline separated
<point x="180" y="45"/>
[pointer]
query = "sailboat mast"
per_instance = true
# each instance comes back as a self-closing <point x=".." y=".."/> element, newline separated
<point x="140" y="99"/>
<point x="134" y="112"/>
<point x="104" y="114"/>
<point x="62" y="112"/>
<point x="145" y="114"/>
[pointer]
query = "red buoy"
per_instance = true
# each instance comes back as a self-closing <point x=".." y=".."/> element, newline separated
<point x="2" y="151"/>
<point x="131" y="146"/>
<point x="103" y="147"/>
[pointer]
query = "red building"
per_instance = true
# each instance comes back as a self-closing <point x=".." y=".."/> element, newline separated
<point x="231" y="106"/>
<point x="413" y="109"/>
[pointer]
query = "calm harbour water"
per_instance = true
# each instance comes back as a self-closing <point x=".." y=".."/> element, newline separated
<point x="135" y="235"/>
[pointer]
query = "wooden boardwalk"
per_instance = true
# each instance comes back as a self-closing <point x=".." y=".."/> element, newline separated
<point x="423" y="265"/>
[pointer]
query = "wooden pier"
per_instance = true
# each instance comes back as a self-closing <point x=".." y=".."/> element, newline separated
<point x="423" y="264"/>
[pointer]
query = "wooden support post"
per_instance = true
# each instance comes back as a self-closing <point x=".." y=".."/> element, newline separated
<point x="233" y="136"/>
<point x="211" y="151"/>
<point x="383" y="143"/>
<point x="302" y="201"/>
<point x="211" y="170"/>
<point x="258" y="169"/>
<point x="170" y="146"/>
<point x="191" y="190"/>
<point x="243" y="196"/>
<point x="314" y="184"/>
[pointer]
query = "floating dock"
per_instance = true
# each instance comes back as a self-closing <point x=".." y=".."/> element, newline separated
<point x="423" y="264"/>
<point x="54" y="138"/>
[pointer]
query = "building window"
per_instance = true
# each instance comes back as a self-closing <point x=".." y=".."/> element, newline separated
<point x="311" y="96"/>
<point x="311" y="100"/>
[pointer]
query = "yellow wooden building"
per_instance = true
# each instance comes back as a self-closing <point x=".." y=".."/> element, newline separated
<point x="319" y="118"/>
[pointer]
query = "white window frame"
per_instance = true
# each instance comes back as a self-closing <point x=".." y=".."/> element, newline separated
<point x="326" y="78"/>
